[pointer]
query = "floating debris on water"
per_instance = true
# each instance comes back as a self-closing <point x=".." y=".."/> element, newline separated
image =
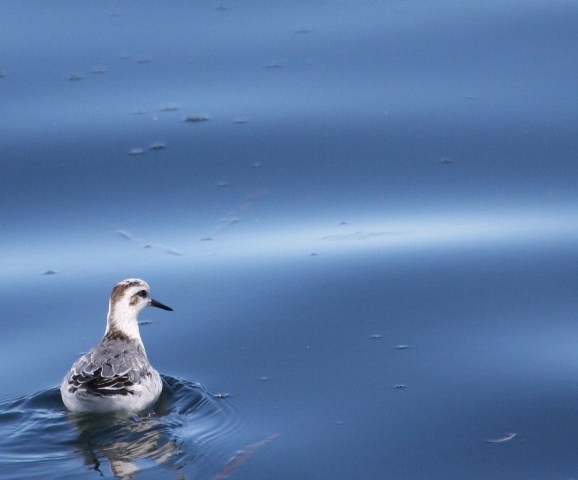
<point x="401" y="347"/>
<point x="196" y="118"/>
<point x="234" y="216"/>
<point x="222" y="395"/>
<point x="506" y="438"/>
<point x="49" y="272"/>
<point x="376" y="336"/>
<point x="241" y="457"/>
<point x="400" y="386"/>
<point x="229" y="221"/>
<point x="144" y="244"/>
<point x="158" y="146"/>
<point x="136" y="151"/>
<point x="170" y="107"/>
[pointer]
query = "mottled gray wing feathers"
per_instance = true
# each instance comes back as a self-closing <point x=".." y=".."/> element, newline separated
<point x="110" y="368"/>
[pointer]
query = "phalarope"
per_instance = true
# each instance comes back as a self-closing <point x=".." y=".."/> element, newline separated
<point x="115" y="375"/>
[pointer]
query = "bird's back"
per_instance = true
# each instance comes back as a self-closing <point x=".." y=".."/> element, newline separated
<point x="113" y="375"/>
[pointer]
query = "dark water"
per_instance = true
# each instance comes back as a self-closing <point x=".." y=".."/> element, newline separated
<point x="41" y="439"/>
<point x="369" y="240"/>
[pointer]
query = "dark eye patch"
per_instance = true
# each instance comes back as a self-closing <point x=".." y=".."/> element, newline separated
<point x="143" y="294"/>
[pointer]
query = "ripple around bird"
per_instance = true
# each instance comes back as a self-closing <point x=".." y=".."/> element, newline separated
<point x="185" y="431"/>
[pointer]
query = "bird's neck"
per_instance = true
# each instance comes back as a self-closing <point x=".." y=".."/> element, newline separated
<point x="122" y="323"/>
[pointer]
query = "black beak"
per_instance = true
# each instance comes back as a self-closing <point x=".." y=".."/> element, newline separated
<point x="154" y="303"/>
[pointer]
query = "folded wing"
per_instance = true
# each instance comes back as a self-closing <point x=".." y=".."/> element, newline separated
<point x="109" y="369"/>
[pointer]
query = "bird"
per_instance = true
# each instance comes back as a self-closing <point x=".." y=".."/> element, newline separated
<point x="115" y="376"/>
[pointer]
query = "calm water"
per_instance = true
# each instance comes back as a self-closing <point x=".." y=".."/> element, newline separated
<point x="367" y="230"/>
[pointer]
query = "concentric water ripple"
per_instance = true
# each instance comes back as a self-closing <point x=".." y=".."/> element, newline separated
<point x="185" y="433"/>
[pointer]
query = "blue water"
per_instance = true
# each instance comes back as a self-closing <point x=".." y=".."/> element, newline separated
<point x="369" y="243"/>
<point x="184" y="429"/>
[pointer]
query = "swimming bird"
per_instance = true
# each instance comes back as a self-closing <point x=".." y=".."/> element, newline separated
<point x="115" y="375"/>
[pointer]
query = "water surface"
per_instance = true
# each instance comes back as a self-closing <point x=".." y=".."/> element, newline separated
<point x="369" y="243"/>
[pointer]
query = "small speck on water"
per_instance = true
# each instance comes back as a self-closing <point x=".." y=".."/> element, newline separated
<point x="400" y="386"/>
<point x="136" y="151"/>
<point x="206" y="239"/>
<point x="313" y="254"/>
<point x="144" y="322"/>
<point x="222" y="184"/>
<point x="170" y="107"/>
<point x="74" y="77"/>
<point x="98" y="70"/>
<point x="49" y="272"/>
<point x="376" y="336"/>
<point x="264" y="379"/>
<point x="158" y="146"/>
<point x="507" y="438"/>
<point x="401" y="347"/>
<point x="446" y="160"/>
<point x="221" y="395"/>
<point x="273" y="65"/>
<point x="240" y="120"/>
<point x="196" y="119"/>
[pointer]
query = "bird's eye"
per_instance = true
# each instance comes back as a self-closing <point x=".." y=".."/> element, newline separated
<point x="143" y="294"/>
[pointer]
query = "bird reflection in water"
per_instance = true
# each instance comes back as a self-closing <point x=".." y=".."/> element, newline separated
<point x="153" y="439"/>
<point x="129" y="444"/>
